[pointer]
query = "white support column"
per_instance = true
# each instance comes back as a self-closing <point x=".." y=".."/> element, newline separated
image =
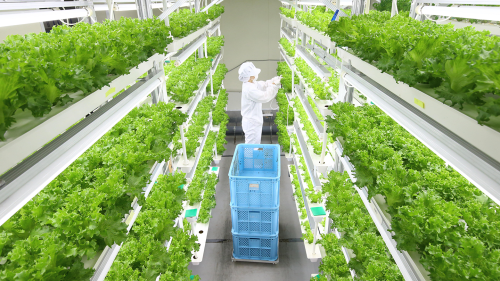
<point x="110" y="12"/>
<point x="206" y="48"/>
<point x="394" y="10"/>
<point x="317" y="221"/>
<point x="165" y="7"/>
<point x="92" y="16"/>
<point x="211" y="82"/>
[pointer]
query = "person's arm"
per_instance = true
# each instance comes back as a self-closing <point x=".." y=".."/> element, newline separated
<point x="262" y="96"/>
<point x="262" y="85"/>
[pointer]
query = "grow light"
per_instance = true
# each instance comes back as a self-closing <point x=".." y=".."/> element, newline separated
<point x="12" y="19"/>
<point x="470" y="12"/>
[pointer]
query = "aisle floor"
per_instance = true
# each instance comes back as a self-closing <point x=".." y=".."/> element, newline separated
<point x="217" y="265"/>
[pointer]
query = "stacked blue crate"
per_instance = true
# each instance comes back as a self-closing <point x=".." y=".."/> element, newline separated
<point x="254" y="180"/>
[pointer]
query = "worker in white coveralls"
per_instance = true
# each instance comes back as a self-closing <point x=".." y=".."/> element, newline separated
<point x="253" y="94"/>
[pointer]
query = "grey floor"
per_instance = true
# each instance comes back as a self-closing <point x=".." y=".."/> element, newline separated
<point x="217" y="265"/>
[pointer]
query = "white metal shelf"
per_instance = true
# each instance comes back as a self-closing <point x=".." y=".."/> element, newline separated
<point x="41" y="168"/>
<point x="468" y="147"/>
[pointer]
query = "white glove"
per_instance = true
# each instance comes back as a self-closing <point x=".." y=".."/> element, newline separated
<point x="276" y="80"/>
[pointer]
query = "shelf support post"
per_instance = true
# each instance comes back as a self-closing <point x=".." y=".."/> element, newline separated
<point x="211" y="82"/>
<point x="184" y="153"/>
<point x="325" y="140"/>
<point x="165" y="7"/>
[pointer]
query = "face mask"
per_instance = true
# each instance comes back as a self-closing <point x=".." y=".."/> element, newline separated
<point x="256" y="77"/>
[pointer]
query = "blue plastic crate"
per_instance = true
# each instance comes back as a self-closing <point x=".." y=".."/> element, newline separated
<point x="254" y="176"/>
<point x="255" y="221"/>
<point x="248" y="247"/>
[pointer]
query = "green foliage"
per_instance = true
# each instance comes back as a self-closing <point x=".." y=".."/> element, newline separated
<point x="196" y="128"/>
<point x="219" y="114"/>
<point x="215" y="44"/>
<point x="298" y="194"/>
<point x="284" y="118"/>
<point x="183" y="81"/>
<point x="296" y="145"/>
<point x="285" y="115"/>
<point x="333" y="266"/>
<point x="308" y="236"/>
<point x="143" y="256"/>
<point x="208" y="202"/>
<point x="207" y="153"/>
<point x="287" y="46"/>
<point x="180" y="254"/>
<point x="81" y="210"/>
<point x="315" y="109"/>
<point x="313" y="138"/>
<point x="185" y="21"/>
<point x="221" y="137"/>
<point x="313" y="195"/>
<point x="202" y="177"/>
<point x="286" y="73"/>
<point x="386" y="5"/>
<point x="218" y="77"/>
<point x="289" y="13"/>
<point x="435" y="211"/>
<point x="221" y="118"/>
<point x="372" y="259"/>
<point x="312" y="80"/>
<point x="462" y="65"/>
<point x="318" y="18"/>
<point x="40" y="70"/>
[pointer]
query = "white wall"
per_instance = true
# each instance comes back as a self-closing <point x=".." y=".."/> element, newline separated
<point x="251" y="32"/>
